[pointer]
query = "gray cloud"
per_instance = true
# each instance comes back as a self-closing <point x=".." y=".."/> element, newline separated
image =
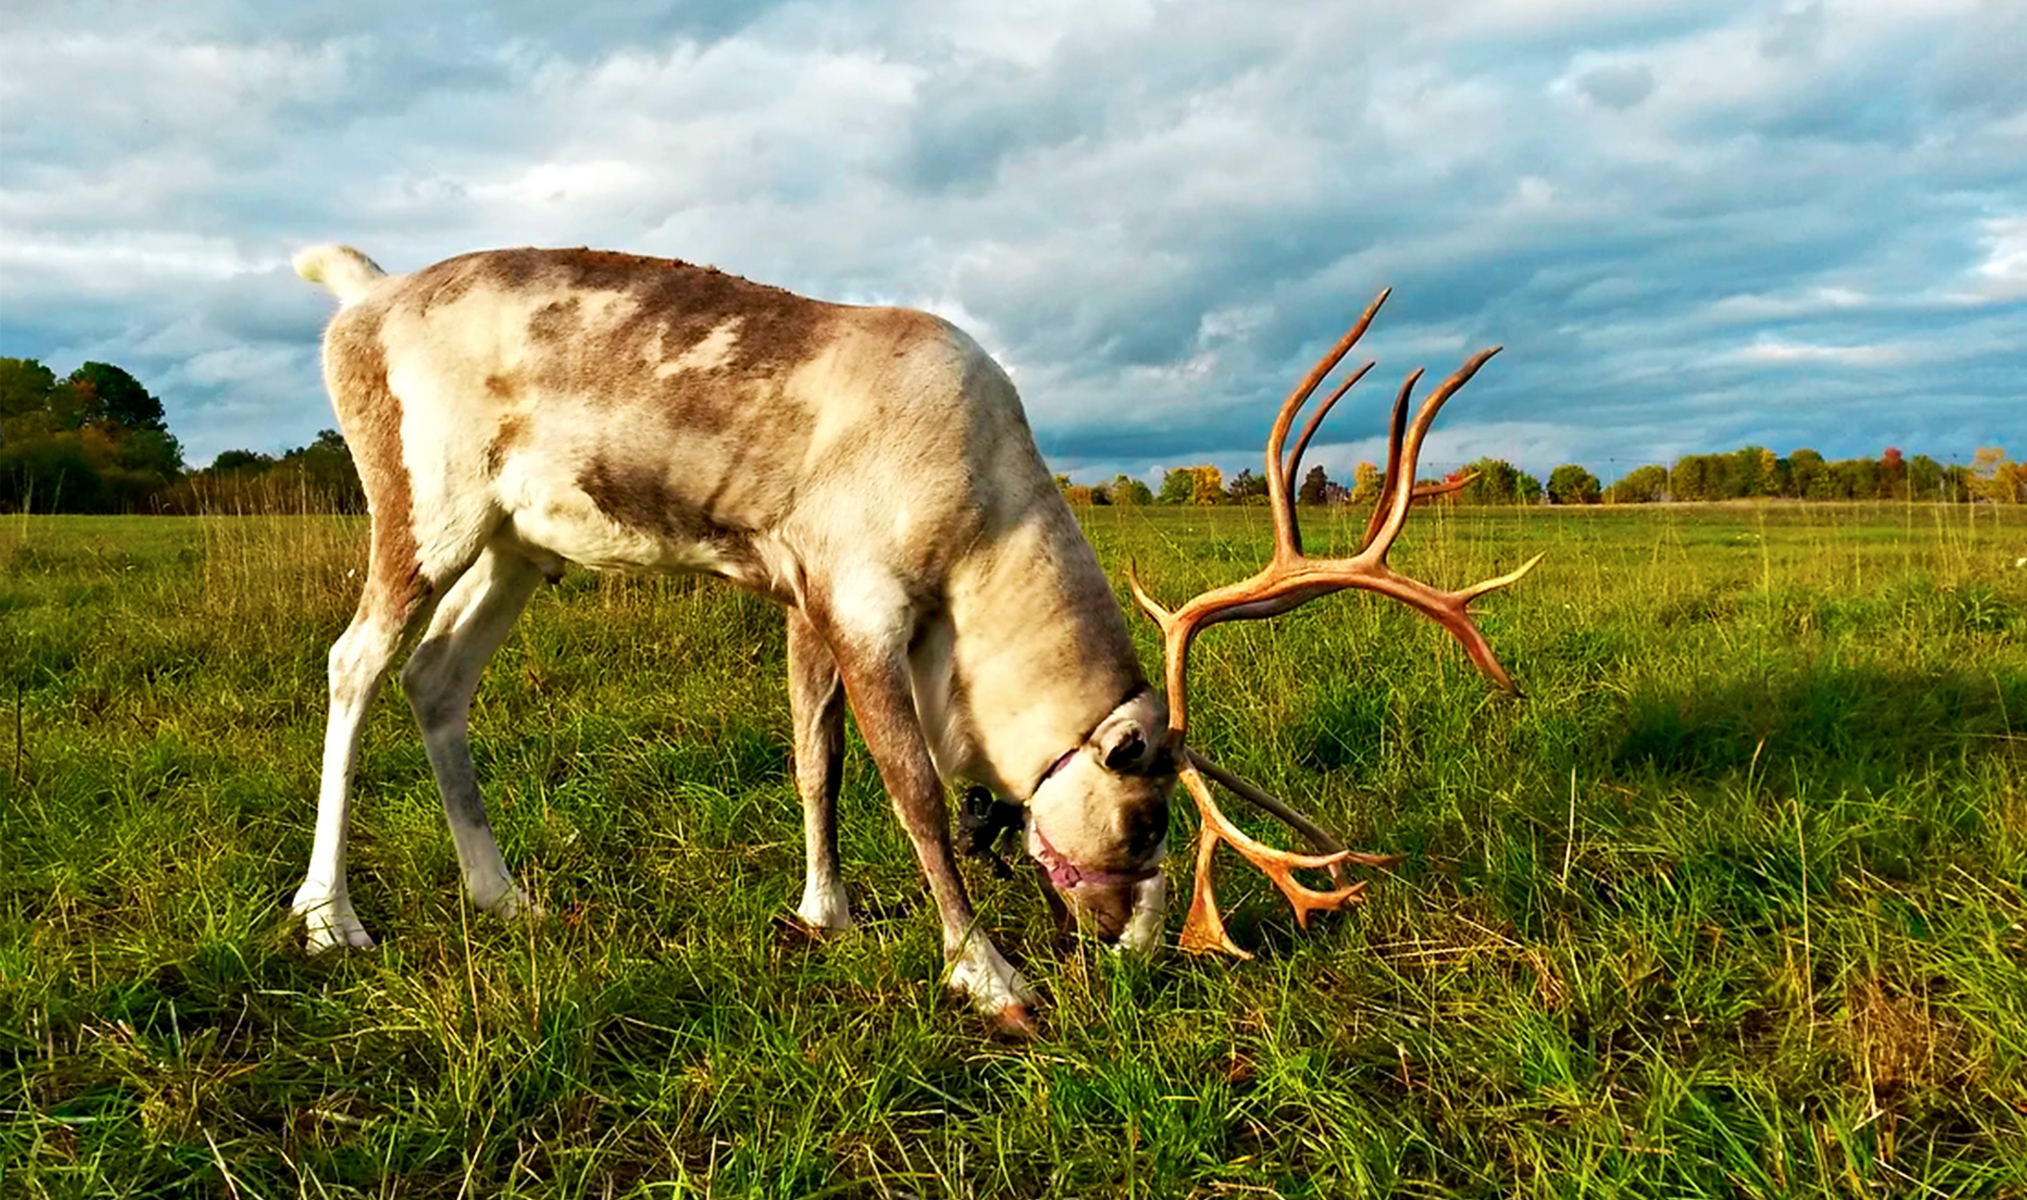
<point x="1797" y="31"/>
<point x="1617" y="85"/>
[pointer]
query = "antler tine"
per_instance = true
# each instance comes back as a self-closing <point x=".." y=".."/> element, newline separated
<point x="1287" y="541"/>
<point x="1326" y="844"/>
<point x="1422" y="492"/>
<point x="1309" y="431"/>
<point x="1316" y="419"/>
<point x="1467" y="595"/>
<point x="1155" y="612"/>
<point x="1410" y="453"/>
<point x="1204" y="929"/>
<point x="1433" y="490"/>
<point x="1391" y="481"/>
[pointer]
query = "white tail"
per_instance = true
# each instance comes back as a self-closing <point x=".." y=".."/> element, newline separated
<point x="348" y="273"/>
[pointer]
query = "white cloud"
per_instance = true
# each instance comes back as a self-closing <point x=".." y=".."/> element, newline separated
<point x="1804" y="302"/>
<point x="2003" y="273"/>
<point x="1774" y="350"/>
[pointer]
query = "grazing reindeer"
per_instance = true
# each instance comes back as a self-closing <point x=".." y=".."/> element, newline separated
<point x="870" y="469"/>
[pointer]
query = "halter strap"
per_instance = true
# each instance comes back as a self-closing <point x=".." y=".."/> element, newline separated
<point x="1065" y="874"/>
<point x="1071" y="753"/>
<point x="1061" y="871"/>
<point x="1054" y="767"/>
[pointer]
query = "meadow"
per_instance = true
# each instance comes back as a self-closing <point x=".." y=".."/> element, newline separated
<point x="1734" y="902"/>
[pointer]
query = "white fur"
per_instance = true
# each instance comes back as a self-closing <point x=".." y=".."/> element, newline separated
<point x="978" y="970"/>
<point x="1150" y="902"/>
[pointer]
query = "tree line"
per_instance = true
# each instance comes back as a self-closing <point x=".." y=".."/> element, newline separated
<point x="96" y="441"/>
<point x="1749" y="473"/>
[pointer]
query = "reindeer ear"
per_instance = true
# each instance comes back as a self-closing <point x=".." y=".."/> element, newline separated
<point x="1123" y="743"/>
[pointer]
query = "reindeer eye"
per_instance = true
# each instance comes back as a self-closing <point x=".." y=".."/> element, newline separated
<point x="1146" y="825"/>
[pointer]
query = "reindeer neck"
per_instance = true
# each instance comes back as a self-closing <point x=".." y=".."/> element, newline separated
<point x="1040" y="652"/>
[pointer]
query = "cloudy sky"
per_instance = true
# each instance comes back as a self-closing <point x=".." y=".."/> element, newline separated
<point x="1693" y="224"/>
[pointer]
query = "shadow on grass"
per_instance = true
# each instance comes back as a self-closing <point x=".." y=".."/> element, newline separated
<point x="1855" y="724"/>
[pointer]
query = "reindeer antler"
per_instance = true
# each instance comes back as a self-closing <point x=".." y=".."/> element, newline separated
<point x="1292" y="579"/>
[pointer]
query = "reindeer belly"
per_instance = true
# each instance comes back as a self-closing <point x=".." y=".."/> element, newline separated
<point x="611" y="517"/>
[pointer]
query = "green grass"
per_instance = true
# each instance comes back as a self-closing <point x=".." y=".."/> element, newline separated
<point x="1735" y="903"/>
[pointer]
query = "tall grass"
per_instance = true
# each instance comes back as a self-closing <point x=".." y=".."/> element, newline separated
<point x="1731" y="904"/>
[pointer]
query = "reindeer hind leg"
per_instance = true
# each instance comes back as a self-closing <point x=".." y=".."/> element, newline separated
<point x="391" y="607"/>
<point x="440" y="678"/>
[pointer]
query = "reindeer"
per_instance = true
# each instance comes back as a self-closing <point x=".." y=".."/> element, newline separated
<point x="871" y="470"/>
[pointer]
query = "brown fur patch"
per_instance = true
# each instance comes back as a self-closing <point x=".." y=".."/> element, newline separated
<point x="355" y="367"/>
<point x="705" y="452"/>
<point x="641" y="498"/>
<point x="676" y="305"/>
<point x="675" y="445"/>
<point x="512" y="429"/>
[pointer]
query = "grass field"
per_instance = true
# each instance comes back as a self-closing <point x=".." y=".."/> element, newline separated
<point x="1735" y="903"/>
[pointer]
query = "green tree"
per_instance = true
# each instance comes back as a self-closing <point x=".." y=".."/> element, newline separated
<point x="1807" y="475"/>
<point x="1209" y="486"/>
<point x="1857" y="478"/>
<point x="1126" y="489"/>
<point x="111" y="394"/>
<point x="153" y="452"/>
<point x="95" y="442"/>
<point x="1750" y="471"/>
<point x="1498" y="482"/>
<point x="1698" y="477"/>
<point x="1924" y="478"/>
<point x="1366" y="481"/>
<point x="1571" y="484"/>
<point x="255" y="462"/>
<point x="1641" y="485"/>
<point x="1314" y="484"/>
<point x="1247" y="488"/>
<point x="1177" y="486"/>
<point x="25" y="387"/>
<point x="55" y="473"/>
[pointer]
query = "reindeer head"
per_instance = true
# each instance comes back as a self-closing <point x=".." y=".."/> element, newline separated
<point x="1097" y="823"/>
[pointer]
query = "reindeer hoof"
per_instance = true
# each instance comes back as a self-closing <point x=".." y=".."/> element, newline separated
<point x="1016" y="1022"/>
<point x="791" y="930"/>
<point x="329" y="922"/>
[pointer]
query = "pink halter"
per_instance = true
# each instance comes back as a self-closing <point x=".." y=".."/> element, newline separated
<point x="1061" y="871"/>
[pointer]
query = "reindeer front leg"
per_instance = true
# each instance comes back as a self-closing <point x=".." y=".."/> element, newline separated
<point x="871" y="652"/>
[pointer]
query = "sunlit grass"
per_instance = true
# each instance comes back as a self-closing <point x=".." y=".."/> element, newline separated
<point x="1732" y="903"/>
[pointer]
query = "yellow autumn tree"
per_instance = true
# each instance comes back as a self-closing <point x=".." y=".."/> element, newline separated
<point x="1210" y="485"/>
<point x="1365" y="481"/>
<point x="1996" y="477"/>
